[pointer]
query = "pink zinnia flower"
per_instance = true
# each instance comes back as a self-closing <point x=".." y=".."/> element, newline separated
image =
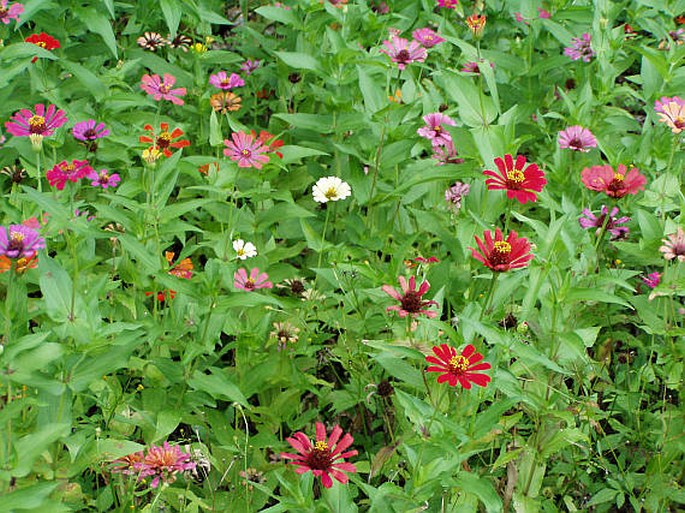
<point x="542" y="13"/>
<point x="404" y="52"/>
<point x="222" y="81"/>
<point x="448" y="4"/>
<point x="616" y="185"/>
<point x="11" y="13"/>
<point x="162" y="463"/>
<point x="249" y="66"/>
<point x="89" y="130"/>
<point x="434" y="129"/>
<point x="455" y="194"/>
<point x="474" y="67"/>
<point x="43" y="123"/>
<point x="104" y="179"/>
<point x="674" y="246"/>
<point x="246" y="150"/>
<point x="673" y="114"/>
<point x="427" y="37"/>
<point x="577" y="138"/>
<point x="580" y="48"/>
<point x="446" y="154"/>
<point x="254" y="281"/>
<point x="665" y="100"/>
<point x="411" y="300"/>
<point x="162" y="89"/>
<point x="20" y="241"/>
<point x="521" y="184"/>
<point x="502" y="255"/>
<point x="652" y="280"/>
<point x="324" y="458"/>
<point x="611" y="224"/>
<point x="64" y="171"/>
<point x="458" y="368"/>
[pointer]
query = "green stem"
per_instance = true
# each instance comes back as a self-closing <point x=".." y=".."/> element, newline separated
<point x="323" y="235"/>
<point x="491" y="290"/>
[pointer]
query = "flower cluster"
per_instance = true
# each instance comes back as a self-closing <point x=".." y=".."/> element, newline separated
<point x="580" y="48"/>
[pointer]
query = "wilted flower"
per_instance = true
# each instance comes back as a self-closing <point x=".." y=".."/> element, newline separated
<point x="404" y="52"/>
<point x="474" y="67"/>
<point x="577" y="138"/>
<point x="458" y="368"/>
<point x="254" y="281"/>
<point x="244" y="250"/>
<point x="502" y="255"/>
<point x="434" y="129"/>
<point x="165" y="140"/>
<point x="446" y="154"/>
<point x="285" y="333"/>
<point x="104" y="179"/>
<point x="44" y="41"/>
<point x="151" y="41"/>
<point x="151" y="155"/>
<point x="245" y="150"/>
<point x="674" y="246"/>
<point x="325" y="457"/>
<point x="224" y="102"/>
<point x="427" y="37"/>
<point x="476" y="24"/>
<point x="424" y="260"/>
<point x="20" y="241"/>
<point x="521" y="184"/>
<point x="11" y="13"/>
<point x="455" y="194"/>
<point x="222" y="81"/>
<point x="411" y="299"/>
<point x="16" y="172"/>
<point x="64" y="171"/>
<point x="330" y="188"/>
<point x="580" y="48"/>
<point x="163" y="89"/>
<point x="249" y="66"/>
<point x="616" y="185"/>
<point x="611" y="224"/>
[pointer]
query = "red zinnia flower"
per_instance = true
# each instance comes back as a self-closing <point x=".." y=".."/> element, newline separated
<point x="459" y="368"/>
<point x="44" y="41"/>
<point x="411" y="299"/>
<point x="264" y="138"/>
<point x="616" y="185"/>
<point x="64" y="171"/>
<point x="324" y="457"/>
<point x="163" y="141"/>
<point x="519" y="183"/>
<point x="502" y="255"/>
<point x="182" y="269"/>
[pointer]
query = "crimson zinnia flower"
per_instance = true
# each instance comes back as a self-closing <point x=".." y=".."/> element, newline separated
<point x="520" y="183"/>
<point x="459" y="368"/>
<point x="411" y="300"/>
<point x="502" y="255"/>
<point x="616" y="185"/>
<point x="164" y="141"/>
<point x="325" y="457"/>
<point x="44" y="41"/>
<point x="64" y="171"/>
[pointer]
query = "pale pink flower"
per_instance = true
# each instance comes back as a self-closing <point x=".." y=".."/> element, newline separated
<point x="427" y="37"/>
<point x="246" y="150"/>
<point x="11" y="13"/>
<point x="162" y="89"/>
<point x="577" y="138"/>
<point x="404" y="52"/>
<point x="254" y="281"/>
<point x="434" y="129"/>
<point x="674" y="246"/>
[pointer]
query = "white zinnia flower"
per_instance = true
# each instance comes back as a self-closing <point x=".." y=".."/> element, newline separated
<point x="330" y="188"/>
<point x="244" y="249"/>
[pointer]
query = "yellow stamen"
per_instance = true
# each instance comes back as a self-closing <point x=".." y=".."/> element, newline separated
<point x="459" y="363"/>
<point x="331" y="193"/>
<point x="321" y="446"/>
<point x="618" y="177"/>
<point x="502" y="247"/>
<point x="515" y="176"/>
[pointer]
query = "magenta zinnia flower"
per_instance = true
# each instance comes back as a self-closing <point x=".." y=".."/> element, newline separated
<point x="434" y="129"/>
<point x="20" y="241"/>
<point x="104" y="179"/>
<point x="652" y="280"/>
<point x="222" y="81"/>
<point x="674" y="246"/>
<point x="246" y="150"/>
<point x="43" y="123"/>
<point x="249" y="66"/>
<point x="458" y="368"/>
<point x="162" y="463"/>
<point x="90" y="130"/>
<point x="448" y="4"/>
<point x="58" y="175"/>
<point x="502" y="255"/>
<point x="577" y="138"/>
<point x="521" y="184"/>
<point x="11" y="13"/>
<point x="580" y="48"/>
<point x="325" y="457"/>
<point x="613" y="224"/>
<point x="427" y="37"/>
<point x="162" y="89"/>
<point x="254" y="281"/>
<point x="411" y="300"/>
<point x="616" y="185"/>
<point x="403" y="52"/>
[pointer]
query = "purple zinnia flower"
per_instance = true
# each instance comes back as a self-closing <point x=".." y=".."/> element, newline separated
<point x="249" y="66"/>
<point x="580" y="48"/>
<point x="577" y="138"/>
<point x="19" y="241"/>
<point x="613" y="224"/>
<point x="404" y="52"/>
<point x="222" y="81"/>
<point x="434" y="129"/>
<point x="427" y="37"/>
<point x="104" y="179"/>
<point x="89" y="130"/>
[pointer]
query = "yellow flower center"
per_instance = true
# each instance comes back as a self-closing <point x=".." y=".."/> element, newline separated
<point x="331" y="193"/>
<point x="459" y="363"/>
<point x="16" y="236"/>
<point x="241" y="252"/>
<point x="246" y="152"/>
<point x="502" y="247"/>
<point x="515" y="176"/>
<point x="321" y="446"/>
<point x="618" y="177"/>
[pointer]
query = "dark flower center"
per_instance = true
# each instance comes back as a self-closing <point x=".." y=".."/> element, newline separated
<point x="164" y="140"/>
<point x="16" y="243"/>
<point x="297" y="287"/>
<point x="37" y="124"/>
<point x="500" y="253"/>
<point x="320" y="457"/>
<point x="249" y="284"/>
<point x="617" y="183"/>
<point x="411" y="302"/>
<point x="246" y="153"/>
<point x="576" y="144"/>
<point x="90" y="134"/>
<point x="403" y="56"/>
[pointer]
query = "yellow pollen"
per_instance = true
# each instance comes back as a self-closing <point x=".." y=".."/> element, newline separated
<point x="36" y="121"/>
<point x="41" y="44"/>
<point x="459" y="363"/>
<point x="240" y="252"/>
<point x="502" y="247"/>
<point x="618" y="177"/>
<point x="437" y="128"/>
<point x="246" y="153"/>
<point x="321" y="446"/>
<point x="331" y="193"/>
<point x="17" y="236"/>
<point x="516" y="176"/>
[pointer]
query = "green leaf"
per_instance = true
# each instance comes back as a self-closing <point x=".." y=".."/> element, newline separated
<point x="216" y="138"/>
<point x="299" y="60"/>
<point x="25" y="50"/>
<point x="31" y="497"/>
<point x="374" y="97"/>
<point x="30" y="447"/>
<point x="97" y="22"/>
<point x="171" y="9"/>
<point x="293" y="153"/>
<point x="111" y="449"/>
<point x="287" y="17"/>
<point x="218" y="385"/>
<point x="56" y="286"/>
<point x="89" y="80"/>
<point x="482" y="488"/>
<point x="593" y="294"/>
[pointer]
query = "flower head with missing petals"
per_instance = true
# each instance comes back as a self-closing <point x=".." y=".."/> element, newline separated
<point x="462" y="369"/>
<point x="330" y="188"/>
<point x="182" y="269"/>
<point x="614" y="184"/>
<point x="674" y="246"/>
<point x="455" y="194"/>
<point x="151" y="41"/>
<point x="244" y="250"/>
<point x="434" y="129"/>
<point x="256" y="280"/>
<point x="580" y="48"/>
<point x="325" y="457"/>
<point x="577" y="138"/>
<point x="225" y="102"/>
<point x="427" y="37"/>
<point x="502" y="255"/>
<point x="520" y="181"/>
<point x="403" y="52"/>
<point x="607" y="221"/>
<point x="249" y="66"/>
<point x="410" y="298"/>
<point x="163" y="89"/>
<point x="246" y="150"/>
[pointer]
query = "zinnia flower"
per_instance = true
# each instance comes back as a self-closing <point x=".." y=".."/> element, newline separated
<point x="285" y="333"/>
<point x="448" y="4"/>
<point x="249" y="66"/>
<point x="674" y="246"/>
<point x="330" y="188"/>
<point x="520" y="183"/>
<point x="577" y="138"/>
<point x="151" y="41"/>
<point x="270" y="141"/>
<point x="11" y="13"/>
<point x="245" y="150"/>
<point x="20" y="265"/>
<point x="64" y="171"/>
<point x="427" y="37"/>
<point x="611" y="224"/>
<point x="162" y="89"/>
<point x="222" y="81"/>
<point x="104" y="179"/>
<point x="224" y="102"/>
<point x="455" y="194"/>
<point x="616" y="185"/>
<point x="90" y="130"/>
<point x="434" y="129"/>
<point x="325" y="457"/>
<point x="180" y="41"/>
<point x="183" y="269"/>
<point x="673" y="114"/>
<point x="476" y="24"/>
<point x="403" y="52"/>
<point x="162" y="463"/>
<point x="502" y="255"/>
<point x="580" y="48"/>
<point x="43" y="123"/>
<point x="446" y="154"/>
<point x="165" y="140"/>
<point x="128" y="465"/>
<point x="244" y="250"/>
<point x="665" y="100"/>
<point x="652" y="280"/>
<point x="254" y="281"/>
<point x="411" y="300"/>
<point x="44" y="41"/>
<point x="459" y="368"/>
<point x="20" y="241"/>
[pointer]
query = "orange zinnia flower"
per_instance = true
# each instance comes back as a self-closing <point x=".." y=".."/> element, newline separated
<point x="164" y="141"/>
